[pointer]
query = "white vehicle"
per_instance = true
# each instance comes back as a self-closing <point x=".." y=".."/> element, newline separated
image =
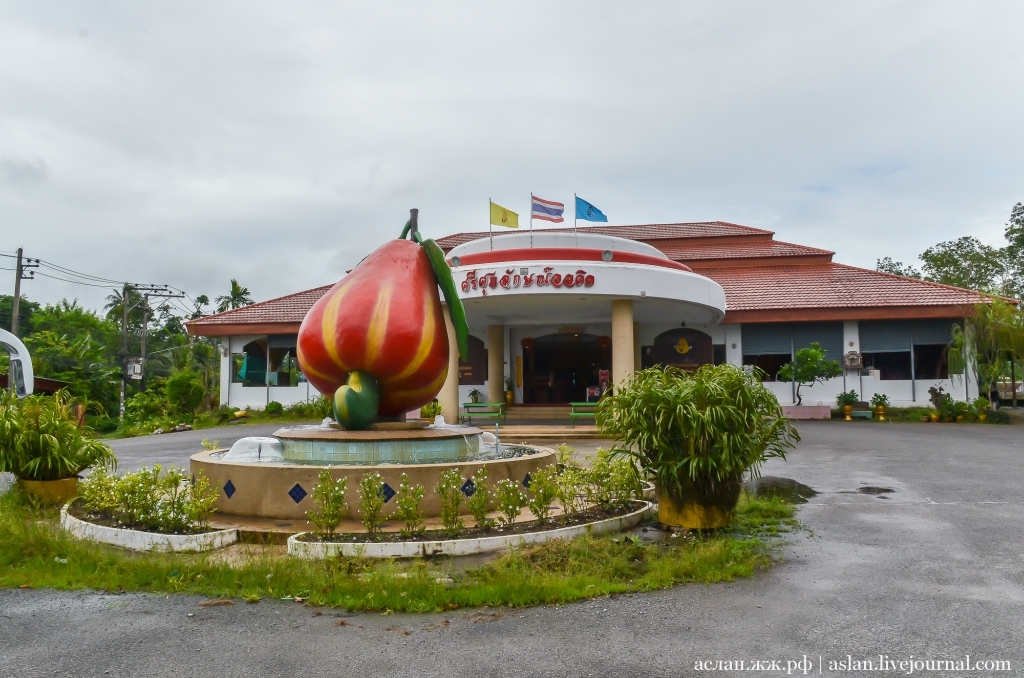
<point x="19" y="376"/>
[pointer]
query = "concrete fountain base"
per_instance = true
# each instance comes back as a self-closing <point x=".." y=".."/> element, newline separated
<point x="284" y="491"/>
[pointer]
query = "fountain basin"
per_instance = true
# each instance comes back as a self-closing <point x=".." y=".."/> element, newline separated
<point x="322" y="446"/>
<point x="285" y="490"/>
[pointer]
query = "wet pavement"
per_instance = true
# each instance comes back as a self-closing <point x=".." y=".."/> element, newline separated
<point x="931" y="568"/>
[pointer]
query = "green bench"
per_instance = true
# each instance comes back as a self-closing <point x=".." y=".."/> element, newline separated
<point x="580" y="410"/>
<point x="862" y="414"/>
<point x="494" y="411"/>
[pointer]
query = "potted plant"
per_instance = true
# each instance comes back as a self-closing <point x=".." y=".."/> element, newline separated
<point x="697" y="433"/>
<point x="880" y="402"/>
<point x="981" y="406"/>
<point x="431" y="410"/>
<point x="43" y="446"/>
<point x="510" y="396"/>
<point x="846" y="400"/>
<point x="475" y="395"/>
<point x="940" y="401"/>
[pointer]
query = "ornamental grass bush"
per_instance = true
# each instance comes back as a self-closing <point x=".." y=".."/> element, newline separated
<point x="40" y="438"/>
<point x="695" y="429"/>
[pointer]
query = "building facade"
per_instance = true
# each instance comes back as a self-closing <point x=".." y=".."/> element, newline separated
<point x="559" y="315"/>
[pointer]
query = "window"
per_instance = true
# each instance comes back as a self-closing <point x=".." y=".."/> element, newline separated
<point x="769" y="363"/>
<point x="893" y="365"/>
<point x="249" y="367"/>
<point x="284" y="367"/>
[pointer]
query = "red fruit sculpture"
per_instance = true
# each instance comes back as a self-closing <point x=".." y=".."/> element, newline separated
<point x="384" y="320"/>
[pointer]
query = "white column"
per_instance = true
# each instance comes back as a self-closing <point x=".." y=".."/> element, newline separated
<point x="637" y="358"/>
<point x="448" y="398"/>
<point x="622" y="339"/>
<point x="734" y="344"/>
<point x="495" y="363"/>
<point x="225" y="370"/>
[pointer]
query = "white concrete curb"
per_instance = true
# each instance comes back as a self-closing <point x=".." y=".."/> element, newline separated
<point x="146" y="541"/>
<point x="461" y="547"/>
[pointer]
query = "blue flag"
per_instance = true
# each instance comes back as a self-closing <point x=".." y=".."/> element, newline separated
<point x="587" y="212"/>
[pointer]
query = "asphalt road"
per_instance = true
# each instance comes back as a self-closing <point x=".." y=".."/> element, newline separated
<point x="933" y="570"/>
<point x="174" y="449"/>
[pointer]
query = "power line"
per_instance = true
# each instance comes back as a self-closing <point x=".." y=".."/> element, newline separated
<point x="76" y="282"/>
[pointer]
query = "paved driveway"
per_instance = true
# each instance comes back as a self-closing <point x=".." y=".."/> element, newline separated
<point x="174" y="449"/>
<point x="933" y="569"/>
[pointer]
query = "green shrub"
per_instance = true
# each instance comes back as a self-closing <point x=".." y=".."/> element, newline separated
<point x="40" y="438"/>
<point x="185" y="392"/>
<point x="879" y="400"/>
<point x="572" y="488"/>
<point x="449" y="490"/>
<point x="274" y="408"/>
<point x="511" y="500"/>
<point x="479" y="503"/>
<point x="150" y="499"/>
<point x="431" y="409"/>
<point x="847" y="398"/>
<point x="371" y="502"/>
<point x="612" y="481"/>
<point x="564" y="454"/>
<point x="407" y="507"/>
<point x="319" y="408"/>
<point x="543" y="491"/>
<point x="329" y="495"/>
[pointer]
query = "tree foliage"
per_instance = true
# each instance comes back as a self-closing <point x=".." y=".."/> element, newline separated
<point x="887" y="265"/>
<point x="810" y="367"/>
<point x="236" y="298"/>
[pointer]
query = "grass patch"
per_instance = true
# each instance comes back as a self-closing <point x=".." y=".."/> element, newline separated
<point x="35" y="552"/>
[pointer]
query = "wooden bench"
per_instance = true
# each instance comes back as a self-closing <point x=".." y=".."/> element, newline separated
<point x="494" y="411"/>
<point x="578" y="410"/>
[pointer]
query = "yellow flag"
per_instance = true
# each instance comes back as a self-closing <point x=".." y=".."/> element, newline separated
<point x="503" y="217"/>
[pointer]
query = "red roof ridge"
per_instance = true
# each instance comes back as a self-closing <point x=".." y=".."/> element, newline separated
<point x="250" y="307"/>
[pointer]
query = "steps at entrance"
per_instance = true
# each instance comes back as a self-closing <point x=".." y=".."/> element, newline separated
<point x="537" y="413"/>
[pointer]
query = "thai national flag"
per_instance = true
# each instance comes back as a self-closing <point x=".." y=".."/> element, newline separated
<point x="548" y="210"/>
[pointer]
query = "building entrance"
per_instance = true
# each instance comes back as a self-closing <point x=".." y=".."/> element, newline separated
<point x="560" y="367"/>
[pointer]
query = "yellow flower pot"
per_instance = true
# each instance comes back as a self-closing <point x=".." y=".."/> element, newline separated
<point x="848" y="412"/>
<point x="51" y="491"/>
<point x="880" y="412"/>
<point x="696" y="510"/>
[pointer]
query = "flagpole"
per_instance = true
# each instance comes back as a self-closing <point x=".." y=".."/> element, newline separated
<point x="490" y="227"/>
<point x="576" y="242"/>
<point x="531" y="218"/>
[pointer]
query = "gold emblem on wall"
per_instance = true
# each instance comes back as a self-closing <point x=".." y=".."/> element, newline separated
<point x="682" y="346"/>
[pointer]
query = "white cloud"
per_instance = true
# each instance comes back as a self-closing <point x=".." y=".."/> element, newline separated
<point x="190" y="143"/>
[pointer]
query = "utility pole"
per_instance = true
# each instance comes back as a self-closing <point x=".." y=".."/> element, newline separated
<point x="124" y="350"/>
<point x="19" y="275"/>
<point x="146" y="291"/>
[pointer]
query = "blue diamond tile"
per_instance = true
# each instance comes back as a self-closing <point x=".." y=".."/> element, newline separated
<point x="468" y="488"/>
<point x="297" y="493"/>
<point x="229" y="488"/>
<point x="527" y="480"/>
<point x="387" y="492"/>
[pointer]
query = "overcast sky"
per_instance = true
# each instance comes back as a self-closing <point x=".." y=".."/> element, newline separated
<point x="278" y="143"/>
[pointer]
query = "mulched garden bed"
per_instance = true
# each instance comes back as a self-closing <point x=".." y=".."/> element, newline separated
<point x="78" y="510"/>
<point x="591" y="515"/>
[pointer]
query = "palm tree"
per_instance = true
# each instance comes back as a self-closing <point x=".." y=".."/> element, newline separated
<point x="237" y="298"/>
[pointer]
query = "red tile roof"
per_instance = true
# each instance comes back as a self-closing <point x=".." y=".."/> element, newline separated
<point x="749" y="249"/>
<point x="644" y="232"/>
<point x="829" y="286"/>
<point x="290" y="308"/>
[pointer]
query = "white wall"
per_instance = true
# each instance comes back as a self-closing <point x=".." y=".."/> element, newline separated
<point x="733" y="344"/>
<point x="900" y="391"/>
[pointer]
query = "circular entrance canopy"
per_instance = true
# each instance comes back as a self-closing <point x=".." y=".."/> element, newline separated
<point x="563" y="277"/>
